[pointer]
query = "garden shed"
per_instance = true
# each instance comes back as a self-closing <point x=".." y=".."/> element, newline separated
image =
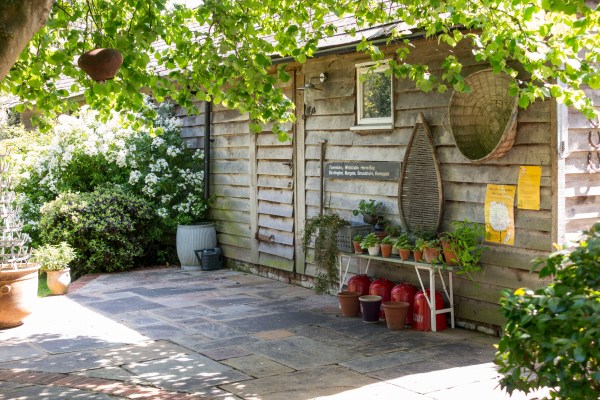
<point x="266" y="189"/>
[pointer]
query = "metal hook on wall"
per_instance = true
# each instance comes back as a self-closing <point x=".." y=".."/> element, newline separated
<point x="594" y="145"/>
<point x="591" y="168"/>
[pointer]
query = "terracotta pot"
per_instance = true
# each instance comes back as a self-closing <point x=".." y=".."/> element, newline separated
<point x="100" y="64"/>
<point x="395" y="314"/>
<point x="18" y="295"/>
<point x="349" y="303"/>
<point x="374" y="251"/>
<point x="405" y="292"/>
<point x="360" y="283"/>
<point x="418" y="254"/>
<point x="430" y="254"/>
<point x="386" y="250"/>
<point x="370" y="306"/>
<point x="449" y="256"/>
<point x="404" y="254"/>
<point x="357" y="248"/>
<point x="58" y="281"/>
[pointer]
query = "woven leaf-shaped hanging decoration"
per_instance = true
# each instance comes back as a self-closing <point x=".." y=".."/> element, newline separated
<point x="420" y="197"/>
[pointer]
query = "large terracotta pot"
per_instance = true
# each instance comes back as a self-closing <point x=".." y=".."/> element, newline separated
<point x="349" y="303"/>
<point x="395" y="314"/>
<point x="405" y="292"/>
<point x="18" y="295"/>
<point x="449" y="256"/>
<point x="58" y="281"/>
<point x="100" y="64"/>
<point x="191" y="238"/>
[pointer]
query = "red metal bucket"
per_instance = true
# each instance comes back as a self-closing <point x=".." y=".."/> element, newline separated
<point x="422" y="316"/>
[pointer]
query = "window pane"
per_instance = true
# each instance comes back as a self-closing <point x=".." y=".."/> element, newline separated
<point x="377" y="95"/>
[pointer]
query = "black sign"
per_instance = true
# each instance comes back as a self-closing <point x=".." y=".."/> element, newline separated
<point x="372" y="170"/>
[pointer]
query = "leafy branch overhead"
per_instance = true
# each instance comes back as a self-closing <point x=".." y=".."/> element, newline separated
<point x="223" y="51"/>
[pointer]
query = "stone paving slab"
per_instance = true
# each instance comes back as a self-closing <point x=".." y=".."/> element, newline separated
<point x="257" y="366"/>
<point x="370" y="364"/>
<point x="281" y="320"/>
<point x="124" y="305"/>
<point x="190" y="373"/>
<point x="52" y="393"/>
<point x="19" y="351"/>
<point x="61" y="363"/>
<point x="145" y="351"/>
<point x="300" y="353"/>
<point x="301" y="385"/>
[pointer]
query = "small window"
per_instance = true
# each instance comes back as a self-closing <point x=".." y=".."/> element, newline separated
<point x="374" y="94"/>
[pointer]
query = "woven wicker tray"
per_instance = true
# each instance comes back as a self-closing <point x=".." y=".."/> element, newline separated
<point x="420" y="196"/>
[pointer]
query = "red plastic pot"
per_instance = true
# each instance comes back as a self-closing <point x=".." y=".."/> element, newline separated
<point x="422" y="315"/>
<point x="359" y="283"/>
<point x="382" y="287"/>
<point x="405" y="292"/>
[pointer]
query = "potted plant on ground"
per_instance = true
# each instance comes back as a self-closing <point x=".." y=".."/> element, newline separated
<point x="356" y="242"/>
<point x="370" y="211"/>
<point x="431" y="251"/>
<point x="324" y="229"/>
<point x="386" y="246"/>
<point x="462" y="247"/>
<point x="404" y="247"/>
<point x="54" y="261"/>
<point x="372" y="243"/>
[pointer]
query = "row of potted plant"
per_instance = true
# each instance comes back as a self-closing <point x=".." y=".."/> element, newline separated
<point x="460" y="247"/>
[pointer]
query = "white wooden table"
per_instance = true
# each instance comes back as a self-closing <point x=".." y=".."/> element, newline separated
<point x="418" y="267"/>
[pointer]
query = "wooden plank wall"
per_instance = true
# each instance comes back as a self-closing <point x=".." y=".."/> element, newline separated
<point x="582" y="187"/>
<point x="464" y="182"/>
<point x="275" y="185"/>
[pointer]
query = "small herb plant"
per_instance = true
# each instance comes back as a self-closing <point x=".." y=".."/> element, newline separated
<point x="358" y="238"/>
<point x="370" y="210"/>
<point x="465" y="242"/>
<point x="324" y="229"/>
<point x="551" y="334"/>
<point x="402" y="242"/>
<point x="54" y="257"/>
<point x="393" y="230"/>
<point x="420" y="244"/>
<point x="387" y="240"/>
<point x="370" y="240"/>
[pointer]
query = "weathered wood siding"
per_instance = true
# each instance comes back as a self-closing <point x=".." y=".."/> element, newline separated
<point x="464" y="182"/>
<point x="582" y="184"/>
<point x="275" y="186"/>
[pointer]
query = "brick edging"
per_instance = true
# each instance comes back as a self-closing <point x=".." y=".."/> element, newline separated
<point x="98" y="385"/>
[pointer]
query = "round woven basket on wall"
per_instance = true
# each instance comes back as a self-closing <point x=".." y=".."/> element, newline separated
<point x="484" y="122"/>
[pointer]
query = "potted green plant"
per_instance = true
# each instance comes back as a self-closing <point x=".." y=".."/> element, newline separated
<point x="356" y="242"/>
<point x="431" y="251"/>
<point x="324" y="229"/>
<point x="54" y="261"/>
<point x="404" y="247"/>
<point x="386" y="246"/>
<point x="372" y="243"/>
<point x="394" y="231"/>
<point x="370" y="210"/>
<point x="462" y="247"/>
<point x="418" y="247"/>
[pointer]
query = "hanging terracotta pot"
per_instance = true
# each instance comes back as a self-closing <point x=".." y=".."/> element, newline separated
<point x="100" y="64"/>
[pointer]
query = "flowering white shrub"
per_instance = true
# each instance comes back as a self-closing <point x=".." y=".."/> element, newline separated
<point x="82" y="153"/>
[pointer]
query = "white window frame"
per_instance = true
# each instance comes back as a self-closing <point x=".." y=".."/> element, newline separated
<point x="363" y="69"/>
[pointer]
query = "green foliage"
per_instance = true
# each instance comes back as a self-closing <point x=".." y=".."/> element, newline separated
<point x="465" y="242"/>
<point x="402" y="242"/>
<point x="219" y="50"/>
<point x="370" y="210"/>
<point x="109" y="228"/>
<point x="387" y="240"/>
<point x="82" y="153"/>
<point x="551" y="334"/>
<point x="324" y="230"/>
<point x="357" y="238"/>
<point x="54" y="257"/>
<point x="420" y="244"/>
<point x="370" y="240"/>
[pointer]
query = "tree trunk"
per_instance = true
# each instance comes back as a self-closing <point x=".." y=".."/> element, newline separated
<point x="19" y="21"/>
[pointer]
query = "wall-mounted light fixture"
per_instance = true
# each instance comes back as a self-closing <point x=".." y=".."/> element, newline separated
<point x="309" y="85"/>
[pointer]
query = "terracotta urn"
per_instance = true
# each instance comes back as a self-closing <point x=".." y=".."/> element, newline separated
<point x="101" y="64"/>
<point x="58" y="281"/>
<point x="18" y="295"/>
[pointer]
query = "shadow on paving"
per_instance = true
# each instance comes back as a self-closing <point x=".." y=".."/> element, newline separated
<point x="230" y="335"/>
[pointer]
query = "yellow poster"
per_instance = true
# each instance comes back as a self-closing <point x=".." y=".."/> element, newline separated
<point x="528" y="191"/>
<point x="499" y="214"/>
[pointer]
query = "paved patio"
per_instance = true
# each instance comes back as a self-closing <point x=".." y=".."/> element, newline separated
<point x="173" y="334"/>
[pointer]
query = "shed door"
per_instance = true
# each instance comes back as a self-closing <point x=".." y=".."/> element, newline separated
<point x="275" y="184"/>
